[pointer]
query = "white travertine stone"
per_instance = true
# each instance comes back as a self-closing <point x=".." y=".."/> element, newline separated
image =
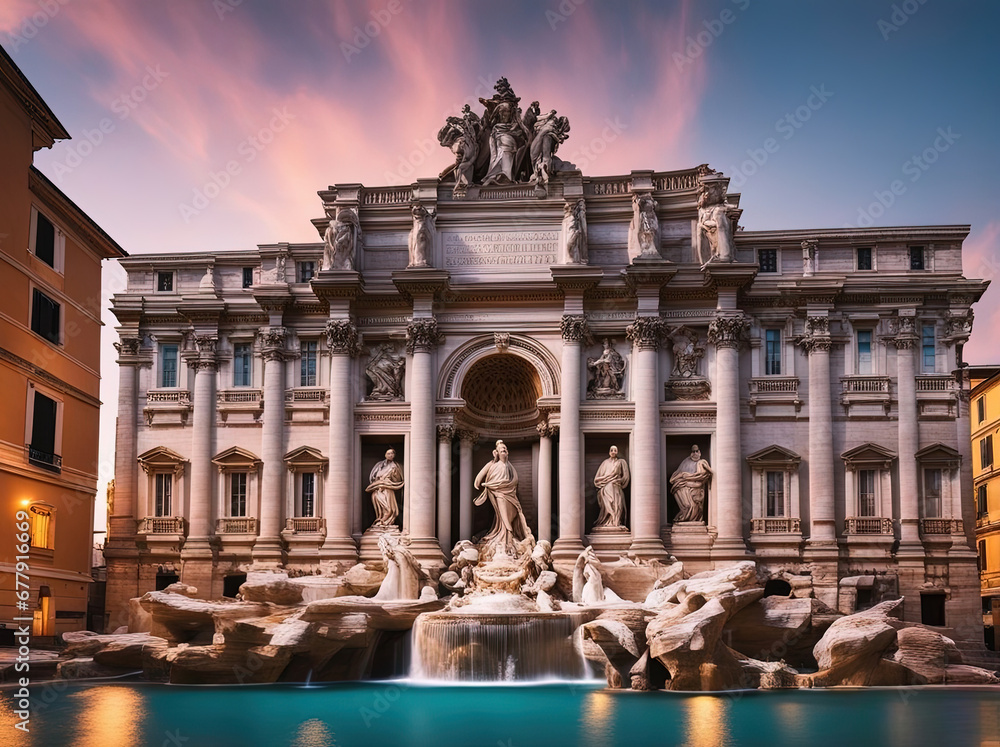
<point x="466" y="440"/>
<point x="268" y="545"/>
<point x="202" y="479"/>
<point x="545" y="432"/>
<point x="823" y="527"/>
<point x="445" y="433"/>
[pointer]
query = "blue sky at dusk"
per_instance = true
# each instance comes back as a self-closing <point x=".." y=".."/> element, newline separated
<point x="813" y="108"/>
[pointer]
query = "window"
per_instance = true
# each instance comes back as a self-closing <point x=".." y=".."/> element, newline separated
<point x="42" y="449"/>
<point x="775" y="493"/>
<point x="305" y="271"/>
<point x="772" y="352"/>
<point x="864" y="352"/>
<point x="247" y="277"/>
<point x="986" y="452"/>
<point x="981" y="409"/>
<point x="45" y="240"/>
<point x="932" y="493"/>
<point x="916" y="258"/>
<point x="164" y="282"/>
<point x="981" y="504"/>
<point x="164" y="482"/>
<point x="308" y="494"/>
<point x="864" y="256"/>
<point x="40" y="518"/>
<point x="45" y="316"/>
<point x="168" y="365"/>
<point x="982" y="556"/>
<point x="768" y="260"/>
<point x="238" y="494"/>
<point x="866" y="492"/>
<point x="928" y="348"/>
<point x="242" y="363"/>
<point x="307" y="376"/>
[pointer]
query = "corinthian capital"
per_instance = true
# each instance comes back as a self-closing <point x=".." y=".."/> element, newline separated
<point x="272" y="342"/>
<point x="128" y="346"/>
<point x="574" y="328"/>
<point x="728" y="331"/>
<point x="422" y="335"/>
<point x="342" y="337"/>
<point x="646" y="331"/>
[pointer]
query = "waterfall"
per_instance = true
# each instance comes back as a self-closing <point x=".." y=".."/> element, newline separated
<point x="491" y="647"/>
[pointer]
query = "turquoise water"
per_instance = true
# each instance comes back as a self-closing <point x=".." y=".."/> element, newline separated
<point x="387" y="713"/>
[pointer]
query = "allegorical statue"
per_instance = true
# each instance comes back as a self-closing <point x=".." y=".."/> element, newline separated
<point x="714" y="223"/>
<point x="342" y="238"/>
<point x="385" y="371"/>
<point x="498" y="481"/>
<point x="421" y="241"/>
<point x="386" y="478"/>
<point x="550" y="130"/>
<point x="507" y="133"/>
<point x="608" y="371"/>
<point x="644" y="230"/>
<point x="688" y="350"/>
<point x="575" y="232"/>
<point x="688" y="485"/>
<point x="611" y="480"/>
<point x="588" y="585"/>
<point x="403" y="575"/>
<point x="461" y="136"/>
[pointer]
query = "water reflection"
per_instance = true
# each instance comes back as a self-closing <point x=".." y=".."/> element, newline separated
<point x="313" y="733"/>
<point x="707" y="721"/>
<point x="110" y="716"/>
<point x="13" y="737"/>
<point x="597" y="718"/>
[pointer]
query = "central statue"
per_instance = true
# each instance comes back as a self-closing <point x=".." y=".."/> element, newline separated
<point x="498" y="481"/>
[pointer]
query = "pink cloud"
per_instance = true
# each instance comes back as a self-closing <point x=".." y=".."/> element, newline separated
<point x="981" y="260"/>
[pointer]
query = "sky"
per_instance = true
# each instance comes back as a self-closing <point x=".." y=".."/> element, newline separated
<point x="204" y="125"/>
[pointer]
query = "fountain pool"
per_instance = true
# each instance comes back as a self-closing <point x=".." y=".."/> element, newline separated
<point x="550" y="715"/>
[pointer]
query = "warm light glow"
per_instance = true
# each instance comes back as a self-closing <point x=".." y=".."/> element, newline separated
<point x="598" y="717"/>
<point x="111" y="717"/>
<point x="13" y="737"/>
<point x="25" y="501"/>
<point x="313" y="733"/>
<point x="706" y="722"/>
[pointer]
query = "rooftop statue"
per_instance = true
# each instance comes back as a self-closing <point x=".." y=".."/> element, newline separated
<point x="714" y="224"/>
<point x="342" y="238"/>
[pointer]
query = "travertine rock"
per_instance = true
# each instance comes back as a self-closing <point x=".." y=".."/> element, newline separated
<point x="180" y="618"/>
<point x="780" y="628"/>
<point x="280" y="591"/>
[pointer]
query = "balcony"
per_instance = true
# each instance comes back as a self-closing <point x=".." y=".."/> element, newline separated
<point x="305" y="525"/>
<point x="776" y="525"/>
<point x="236" y="525"/>
<point x="868" y="525"/>
<point x="307" y="403"/>
<point x="865" y="396"/>
<point x="173" y="525"/>
<point x="43" y="459"/>
<point x="777" y="394"/>
<point x="940" y="526"/>
<point x="936" y="395"/>
<point x="167" y="406"/>
<point x="241" y="405"/>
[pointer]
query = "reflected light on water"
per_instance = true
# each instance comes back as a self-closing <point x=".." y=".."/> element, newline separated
<point x="110" y="717"/>
<point x="13" y="737"/>
<point x="313" y="733"/>
<point x="707" y="722"/>
<point x="597" y="717"/>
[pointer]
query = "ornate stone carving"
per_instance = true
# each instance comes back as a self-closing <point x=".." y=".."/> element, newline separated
<point x="608" y="373"/>
<point x="959" y="325"/>
<point x="342" y="240"/>
<point x="646" y="332"/>
<point x="817" y="334"/>
<point x="550" y="130"/>
<point x="729" y="331"/>
<point x="422" y="335"/>
<point x="611" y="480"/>
<point x="467" y="436"/>
<point x="421" y="241"/>
<point x="688" y="485"/>
<point x="574" y="328"/>
<point x="903" y="331"/>
<point x="688" y="350"/>
<point x="502" y="341"/>
<point x="385" y="479"/>
<point x="385" y="371"/>
<point x="510" y="533"/>
<point x="714" y="227"/>
<point x="274" y="274"/>
<point x="809" y="257"/>
<point x="445" y="433"/>
<point x="206" y="344"/>
<point x="644" y="230"/>
<point x="818" y="325"/>
<point x="128" y="346"/>
<point x="575" y="233"/>
<point x="546" y="429"/>
<point x="272" y="342"/>
<point x="461" y="136"/>
<point x="342" y="337"/>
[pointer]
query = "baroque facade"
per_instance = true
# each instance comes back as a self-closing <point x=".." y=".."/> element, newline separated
<point x="515" y="298"/>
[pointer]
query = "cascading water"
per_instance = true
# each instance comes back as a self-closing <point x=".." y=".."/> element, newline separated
<point x="497" y="647"/>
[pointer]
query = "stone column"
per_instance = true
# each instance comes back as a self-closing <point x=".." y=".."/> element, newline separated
<point x="545" y="432"/>
<point x="267" y="549"/>
<point x="444" y="434"/>
<point x="906" y="342"/>
<point x="422" y="336"/>
<point x="569" y="545"/>
<point x="822" y="516"/>
<point x="466" y="439"/>
<point x="646" y="333"/>
<point x="338" y="500"/>
<point x="121" y="522"/>
<point x="728" y="332"/>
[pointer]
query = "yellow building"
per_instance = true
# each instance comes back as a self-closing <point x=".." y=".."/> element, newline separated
<point x="985" y="417"/>
<point x="50" y="333"/>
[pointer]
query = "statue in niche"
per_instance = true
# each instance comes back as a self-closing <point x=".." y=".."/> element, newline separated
<point x="609" y="372"/>
<point x="403" y="575"/>
<point x="575" y="232"/>
<point x="688" y="350"/>
<point x="550" y="130"/>
<point x="498" y="481"/>
<point x="688" y="485"/>
<point x="342" y="238"/>
<point x="714" y="223"/>
<point x="385" y="371"/>
<point x="611" y="480"/>
<point x="644" y="230"/>
<point x="461" y="136"/>
<point x="385" y="479"/>
<point x="421" y="242"/>
<point x="588" y="585"/>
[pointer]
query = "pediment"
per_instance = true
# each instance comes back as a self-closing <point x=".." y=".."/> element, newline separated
<point x="236" y="457"/>
<point x="774" y="456"/>
<point x="160" y="459"/>
<point x="305" y="458"/>
<point x="869" y="454"/>
<point x="939" y="455"/>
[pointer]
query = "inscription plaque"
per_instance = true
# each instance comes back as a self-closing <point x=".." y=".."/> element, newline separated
<point x="485" y="249"/>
